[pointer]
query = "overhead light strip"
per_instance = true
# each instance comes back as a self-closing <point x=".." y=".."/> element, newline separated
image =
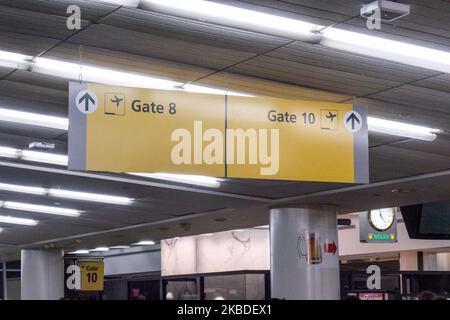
<point x="34" y="119"/>
<point x="22" y="189"/>
<point x="81" y="251"/>
<point x="85" y="196"/>
<point x="217" y="13"/>
<point x="34" y="156"/>
<point x="203" y="181"/>
<point x="144" y="243"/>
<point x="402" y="129"/>
<point x="44" y="157"/>
<point x="19" y="221"/>
<point x="295" y="29"/>
<point x="67" y="194"/>
<point x="13" y="205"/>
<point x="75" y="71"/>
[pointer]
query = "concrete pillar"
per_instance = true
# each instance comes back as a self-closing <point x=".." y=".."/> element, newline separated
<point x="42" y="274"/>
<point x="304" y="259"/>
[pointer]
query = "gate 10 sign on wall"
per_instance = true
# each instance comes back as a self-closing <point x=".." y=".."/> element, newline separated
<point x="85" y="275"/>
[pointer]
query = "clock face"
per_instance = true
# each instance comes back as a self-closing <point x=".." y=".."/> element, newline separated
<point x="381" y="219"/>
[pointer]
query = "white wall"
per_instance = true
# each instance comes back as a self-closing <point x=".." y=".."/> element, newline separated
<point x="147" y="261"/>
<point x="220" y="252"/>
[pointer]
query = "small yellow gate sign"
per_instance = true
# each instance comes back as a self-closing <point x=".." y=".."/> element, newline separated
<point x="92" y="273"/>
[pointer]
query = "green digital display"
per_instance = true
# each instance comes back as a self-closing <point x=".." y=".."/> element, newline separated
<point x="381" y="236"/>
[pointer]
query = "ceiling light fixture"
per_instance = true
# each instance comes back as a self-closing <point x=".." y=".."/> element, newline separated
<point x="34" y="119"/>
<point x="390" y="50"/>
<point x="73" y="71"/>
<point x="99" y="249"/>
<point x="22" y="189"/>
<point x="41" y="209"/>
<point x="81" y="251"/>
<point x="95" y="197"/>
<point x="14" y="60"/>
<point x="67" y="194"/>
<point x="217" y="13"/>
<point x="119" y="247"/>
<point x="44" y="157"/>
<point x="295" y="29"/>
<point x="8" y="152"/>
<point x="402" y="129"/>
<point x="197" y="180"/>
<point x="34" y="156"/>
<point x="144" y="243"/>
<point x="19" y="221"/>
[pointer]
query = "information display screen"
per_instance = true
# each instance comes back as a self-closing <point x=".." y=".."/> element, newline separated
<point x="428" y="221"/>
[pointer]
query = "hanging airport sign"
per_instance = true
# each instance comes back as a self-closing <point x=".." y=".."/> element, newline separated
<point x="84" y="274"/>
<point x="378" y="225"/>
<point x="121" y="129"/>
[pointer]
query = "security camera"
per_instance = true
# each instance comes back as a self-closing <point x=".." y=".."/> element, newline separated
<point x="389" y="10"/>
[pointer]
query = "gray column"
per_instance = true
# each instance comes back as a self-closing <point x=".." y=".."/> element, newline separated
<point x="42" y="274"/>
<point x="304" y="261"/>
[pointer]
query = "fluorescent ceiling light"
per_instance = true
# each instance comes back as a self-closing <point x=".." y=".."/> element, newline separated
<point x="99" y="249"/>
<point x="13" y="60"/>
<point x="401" y="129"/>
<point x="144" y="243"/>
<point x="119" y="247"/>
<point x="9" y="152"/>
<point x="203" y="181"/>
<point x="20" y="221"/>
<point x="67" y="194"/>
<point x="22" y="189"/>
<point x="217" y="13"/>
<point x="256" y="21"/>
<point x="396" y="51"/>
<point x="36" y="156"/>
<point x="202" y="89"/>
<point x="34" y="119"/>
<point x="75" y="71"/>
<point x="89" y="196"/>
<point x="126" y="3"/>
<point x="42" y="209"/>
<point x="81" y="251"/>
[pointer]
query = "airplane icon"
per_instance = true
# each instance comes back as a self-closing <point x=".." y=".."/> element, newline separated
<point x="331" y="116"/>
<point x="115" y="104"/>
<point x="116" y="100"/>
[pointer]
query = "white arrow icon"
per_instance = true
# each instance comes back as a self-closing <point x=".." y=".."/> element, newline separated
<point x="353" y="121"/>
<point x="86" y="101"/>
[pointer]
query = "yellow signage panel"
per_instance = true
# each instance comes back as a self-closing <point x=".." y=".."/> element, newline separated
<point x="92" y="274"/>
<point x="313" y="143"/>
<point x="120" y="129"/>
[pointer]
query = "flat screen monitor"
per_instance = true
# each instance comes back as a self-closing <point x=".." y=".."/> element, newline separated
<point x="428" y="220"/>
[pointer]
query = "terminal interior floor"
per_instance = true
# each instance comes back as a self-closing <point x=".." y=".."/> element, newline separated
<point x="402" y="170"/>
